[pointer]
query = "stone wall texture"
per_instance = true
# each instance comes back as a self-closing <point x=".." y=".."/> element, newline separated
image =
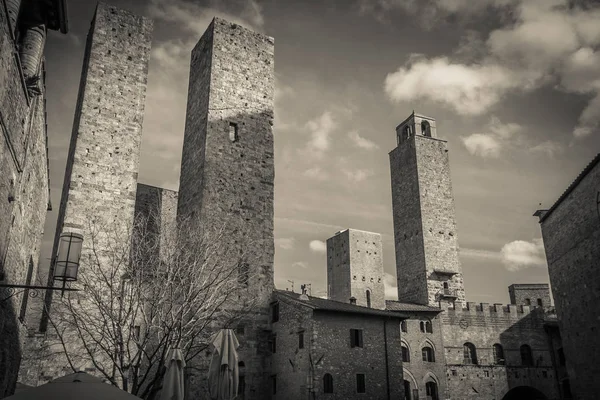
<point x="299" y="372"/>
<point x="520" y="293"/>
<point x="571" y="233"/>
<point x="425" y="234"/>
<point x="355" y="266"/>
<point x="227" y="170"/>
<point x="24" y="200"/>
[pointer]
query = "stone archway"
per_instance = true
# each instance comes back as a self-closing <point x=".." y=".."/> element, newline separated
<point x="524" y="393"/>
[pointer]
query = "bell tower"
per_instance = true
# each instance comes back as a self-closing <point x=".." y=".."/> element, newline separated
<point x="427" y="265"/>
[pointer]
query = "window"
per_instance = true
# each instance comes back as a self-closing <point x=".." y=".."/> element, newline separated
<point x="540" y="303"/>
<point x="561" y="357"/>
<point x="427" y="353"/>
<point x="243" y="272"/>
<point x="369" y="298"/>
<point x="428" y="327"/>
<point x="422" y="326"/>
<point x="233" y="132"/>
<point x="403" y="326"/>
<point x="301" y="340"/>
<point x="454" y="373"/>
<point x="26" y="291"/>
<point x="274" y="383"/>
<point x="274" y="344"/>
<point x="425" y="128"/>
<point x="486" y="374"/>
<point x="405" y="354"/>
<point x="470" y="353"/>
<point x="407" y="131"/>
<point x="360" y="383"/>
<point x="241" y="380"/>
<point x="327" y="383"/>
<point x="445" y="285"/>
<point x="431" y="390"/>
<point x="240" y="329"/>
<point x="527" y="302"/>
<point x="406" y="390"/>
<point x="526" y="356"/>
<point x="275" y="312"/>
<point x="498" y="354"/>
<point x="356" y="338"/>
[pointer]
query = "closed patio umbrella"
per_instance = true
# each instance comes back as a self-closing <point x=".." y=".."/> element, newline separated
<point x="173" y="381"/>
<point x="77" y="386"/>
<point x="223" y="376"/>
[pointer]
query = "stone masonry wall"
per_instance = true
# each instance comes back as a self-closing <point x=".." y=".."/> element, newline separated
<point x="571" y="238"/>
<point x="227" y="169"/>
<point x="484" y="326"/>
<point x="519" y="293"/>
<point x="23" y="200"/>
<point x="416" y="371"/>
<point x="100" y="183"/>
<point x="355" y="265"/>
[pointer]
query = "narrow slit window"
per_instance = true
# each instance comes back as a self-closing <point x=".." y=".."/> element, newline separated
<point x="233" y="132"/>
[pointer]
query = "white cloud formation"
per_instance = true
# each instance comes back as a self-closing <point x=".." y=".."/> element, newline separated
<point x="521" y="254"/>
<point x="357" y="175"/>
<point x="482" y="145"/>
<point x="542" y="41"/>
<point x="391" y="286"/>
<point x="316" y="173"/>
<point x="549" y="147"/>
<point x="320" y="130"/>
<point x="361" y="142"/>
<point x="318" y="246"/>
<point x="285" y="243"/>
<point x="300" y="264"/>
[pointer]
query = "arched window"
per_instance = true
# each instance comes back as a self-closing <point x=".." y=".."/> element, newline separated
<point x="403" y="326"/>
<point x="540" y="302"/>
<point x="498" y="354"/>
<point x="431" y="390"/>
<point x="527" y="302"/>
<point x="526" y="356"/>
<point x="405" y="353"/>
<point x="422" y="326"/>
<point x="428" y="327"/>
<point x="470" y="353"/>
<point x="428" y="354"/>
<point x="327" y="383"/>
<point x="561" y="357"/>
<point x="369" y="298"/>
<point x="407" y="131"/>
<point x="425" y="128"/>
<point x="407" y="390"/>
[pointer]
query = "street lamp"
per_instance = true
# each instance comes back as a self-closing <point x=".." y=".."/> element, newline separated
<point x="66" y="265"/>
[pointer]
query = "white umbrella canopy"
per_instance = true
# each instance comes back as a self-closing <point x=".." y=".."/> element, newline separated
<point x="77" y="386"/>
<point x="173" y="381"/>
<point x="223" y="375"/>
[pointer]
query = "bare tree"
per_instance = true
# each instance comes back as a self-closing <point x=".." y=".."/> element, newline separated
<point x="157" y="287"/>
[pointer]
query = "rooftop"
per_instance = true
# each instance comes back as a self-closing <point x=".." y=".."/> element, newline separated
<point x="317" y="303"/>
<point x="394" y="305"/>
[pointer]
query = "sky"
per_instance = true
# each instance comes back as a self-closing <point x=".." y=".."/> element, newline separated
<point x="514" y="86"/>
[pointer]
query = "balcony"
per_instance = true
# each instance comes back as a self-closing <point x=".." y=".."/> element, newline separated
<point x="447" y="294"/>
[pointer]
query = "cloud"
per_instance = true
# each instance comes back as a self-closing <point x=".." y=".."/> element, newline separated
<point x="316" y="173"/>
<point x="357" y="175"/>
<point x="477" y="253"/>
<point x="285" y="243"/>
<point x="320" y="129"/>
<point x="513" y="58"/>
<point x="300" y="264"/>
<point x="521" y="254"/>
<point x="318" y="246"/>
<point x="549" y="147"/>
<point x="482" y="145"/>
<point x="391" y="286"/>
<point x="361" y="142"/>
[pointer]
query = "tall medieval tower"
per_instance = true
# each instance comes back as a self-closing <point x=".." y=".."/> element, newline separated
<point x="427" y="264"/>
<point x="227" y="170"/>
<point x="102" y="164"/>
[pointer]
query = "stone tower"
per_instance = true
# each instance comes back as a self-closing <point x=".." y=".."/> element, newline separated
<point x="227" y="170"/>
<point x="427" y="264"/>
<point x="102" y="164"/>
<point x="355" y="268"/>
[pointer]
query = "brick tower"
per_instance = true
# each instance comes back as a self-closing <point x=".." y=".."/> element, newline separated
<point x="427" y="263"/>
<point x="355" y="268"/>
<point x="102" y="163"/>
<point x="227" y="170"/>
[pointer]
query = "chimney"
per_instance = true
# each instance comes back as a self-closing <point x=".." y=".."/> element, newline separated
<point x="353" y="300"/>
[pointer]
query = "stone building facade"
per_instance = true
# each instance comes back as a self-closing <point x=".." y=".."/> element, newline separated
<point x="571" y="233"/>
<point x="24" y="185"/>
<point x="227" y="171"/>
